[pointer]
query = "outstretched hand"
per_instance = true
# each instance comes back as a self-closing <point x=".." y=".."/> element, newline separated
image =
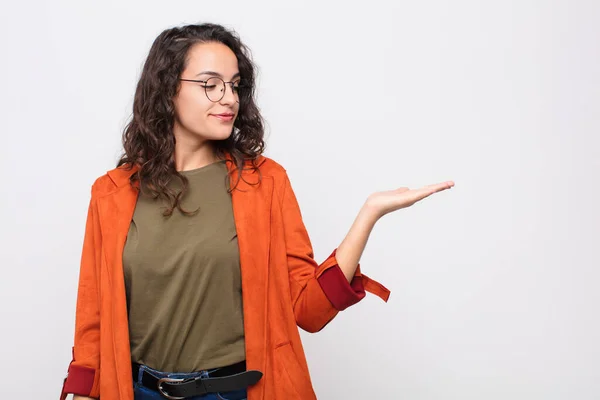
<point x="386" y="202"/>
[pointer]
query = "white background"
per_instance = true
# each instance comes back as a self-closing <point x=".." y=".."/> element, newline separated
<point x="494" y="283"/>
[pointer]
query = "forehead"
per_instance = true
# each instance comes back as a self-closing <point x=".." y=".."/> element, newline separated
<point x="211" y="57"/>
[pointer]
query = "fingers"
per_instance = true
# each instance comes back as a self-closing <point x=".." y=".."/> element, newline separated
<point x="438" y="187"/>
<point x="441" y="186"/>
<point x="415" y="195"/>
<point x="428" y="190"/>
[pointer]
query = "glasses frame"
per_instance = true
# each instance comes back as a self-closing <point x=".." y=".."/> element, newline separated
<point x="230" y="84"/>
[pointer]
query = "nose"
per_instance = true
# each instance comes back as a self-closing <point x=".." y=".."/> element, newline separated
<point x="229" y="95"/>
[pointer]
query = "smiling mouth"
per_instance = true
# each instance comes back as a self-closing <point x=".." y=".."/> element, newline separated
<point x="223" y="117"/>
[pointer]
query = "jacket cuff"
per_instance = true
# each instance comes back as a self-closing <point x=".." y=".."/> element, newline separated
<point x="340" y="293"/>
<point x="79" y="380"/>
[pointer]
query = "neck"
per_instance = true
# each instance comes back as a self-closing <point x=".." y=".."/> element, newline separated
<point x="193" y="154"/>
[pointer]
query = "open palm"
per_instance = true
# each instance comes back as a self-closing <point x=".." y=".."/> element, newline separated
<point x="391" y="200"/>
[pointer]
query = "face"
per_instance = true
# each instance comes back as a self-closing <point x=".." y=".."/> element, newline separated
<point x="197" y="118"/>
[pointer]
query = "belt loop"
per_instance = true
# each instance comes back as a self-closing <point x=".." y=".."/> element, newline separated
<point x="140" y="373"/>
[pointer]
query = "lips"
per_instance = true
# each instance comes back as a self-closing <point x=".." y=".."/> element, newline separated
<point x="226" y="117"/>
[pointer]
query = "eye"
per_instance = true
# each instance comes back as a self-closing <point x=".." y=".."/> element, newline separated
<point x="239" y="86"/>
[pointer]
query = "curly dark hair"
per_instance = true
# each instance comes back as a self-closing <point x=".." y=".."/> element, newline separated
<point x="148" y="139"/>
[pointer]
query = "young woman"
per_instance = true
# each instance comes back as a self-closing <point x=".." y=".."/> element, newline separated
<point x="197" y="269"/>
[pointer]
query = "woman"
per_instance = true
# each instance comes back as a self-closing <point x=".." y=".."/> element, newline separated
<point x="197" y="269"/>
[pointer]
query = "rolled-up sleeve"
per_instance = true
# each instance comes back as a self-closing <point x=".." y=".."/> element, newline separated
<point x="341" y="293"/>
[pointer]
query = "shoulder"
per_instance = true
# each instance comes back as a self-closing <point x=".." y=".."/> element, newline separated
<point x="279" y="175"/>
<point x="112" y="180"/>
<point x="119" y="177"/>
<point x="270" y="167"/>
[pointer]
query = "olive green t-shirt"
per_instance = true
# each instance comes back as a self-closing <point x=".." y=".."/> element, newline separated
<point x="182" y="278"/>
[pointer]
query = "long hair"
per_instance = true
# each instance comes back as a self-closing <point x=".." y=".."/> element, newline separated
<point x="148" y="139"/>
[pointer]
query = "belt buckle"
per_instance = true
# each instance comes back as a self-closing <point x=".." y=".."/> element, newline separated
<point x="162" y="391"/>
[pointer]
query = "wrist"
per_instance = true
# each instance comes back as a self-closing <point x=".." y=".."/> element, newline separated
<point x="370" y="212"/>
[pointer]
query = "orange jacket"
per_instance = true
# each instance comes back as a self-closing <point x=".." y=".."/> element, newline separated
<point x="283" y="288"/>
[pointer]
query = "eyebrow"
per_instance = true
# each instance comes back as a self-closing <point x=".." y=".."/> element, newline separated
<point x="212" y="73"/>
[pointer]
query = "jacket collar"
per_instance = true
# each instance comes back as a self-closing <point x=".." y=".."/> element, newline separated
<point x="120" y="176"/>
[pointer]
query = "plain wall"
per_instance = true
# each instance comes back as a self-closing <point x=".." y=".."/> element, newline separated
<point x="494" y="283"/>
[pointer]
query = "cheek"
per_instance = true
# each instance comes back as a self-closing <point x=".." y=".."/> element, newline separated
<point x="191" y="109"/>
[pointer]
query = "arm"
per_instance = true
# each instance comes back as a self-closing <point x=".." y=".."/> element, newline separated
<point x="320" y="291"/>
<point x="84" y="370"/>
<point x="351" y="249"/>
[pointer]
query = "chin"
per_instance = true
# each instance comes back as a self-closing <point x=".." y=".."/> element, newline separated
<point x="223" y="135"/>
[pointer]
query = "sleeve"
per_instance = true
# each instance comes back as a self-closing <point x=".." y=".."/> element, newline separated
<point x="318" y="291"/>
<point x="84" y="369"/>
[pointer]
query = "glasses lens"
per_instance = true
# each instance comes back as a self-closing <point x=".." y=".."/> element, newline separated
<point x="215" y="88"/>
<point x="236" y="90"/>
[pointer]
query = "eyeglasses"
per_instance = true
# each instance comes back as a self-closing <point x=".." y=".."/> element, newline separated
<point x="215" y="88"/>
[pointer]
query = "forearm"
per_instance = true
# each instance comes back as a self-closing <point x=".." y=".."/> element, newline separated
<point x="349" y="252"/>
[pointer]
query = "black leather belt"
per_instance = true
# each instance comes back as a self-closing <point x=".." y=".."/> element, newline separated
<point x="226" y="379"/>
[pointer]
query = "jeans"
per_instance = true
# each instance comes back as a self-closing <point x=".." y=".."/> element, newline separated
<point x="140" y="392"/>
